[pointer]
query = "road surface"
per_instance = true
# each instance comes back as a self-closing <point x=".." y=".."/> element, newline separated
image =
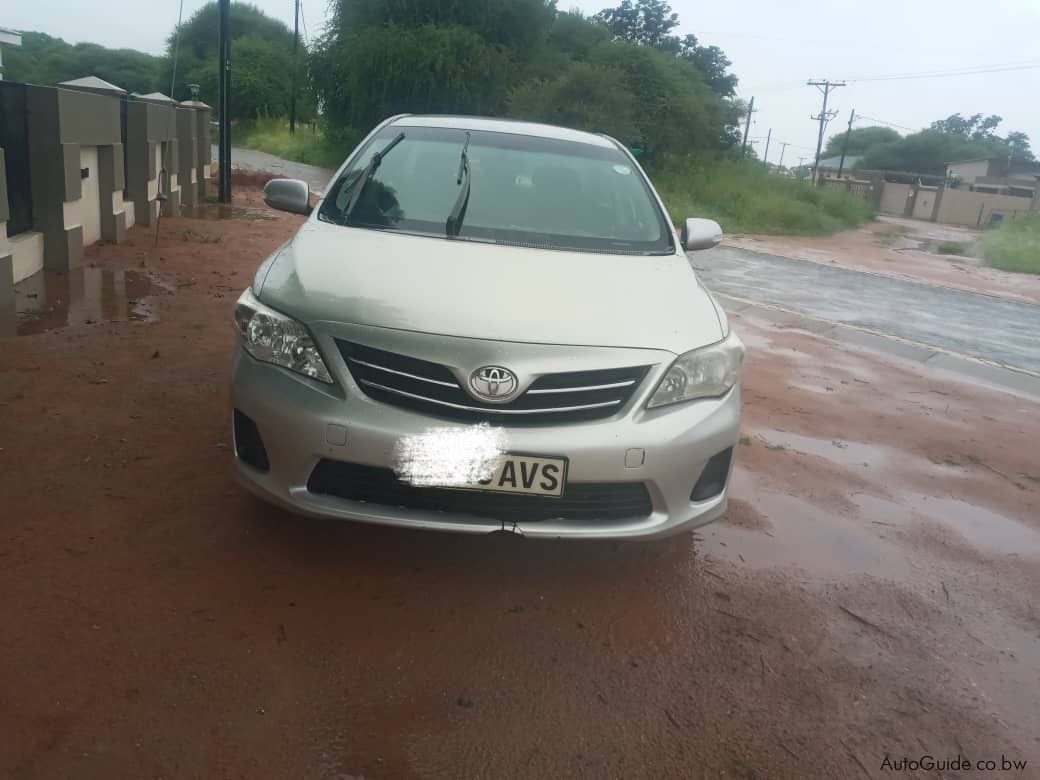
<point x="317" y="178"/>
<point x="981" y="326"/>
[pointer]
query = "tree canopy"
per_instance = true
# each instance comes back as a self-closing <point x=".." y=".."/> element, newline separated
<point x="861" y="139"/>
<point x="620" y="72"/>
<point x="42" y="59"/>
<point x="261" y="62"/>
<point x="930" y="150"/>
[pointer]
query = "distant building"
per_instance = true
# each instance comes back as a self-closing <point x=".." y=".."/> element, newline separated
<point x="997" y="175"/>
<point x="830" y="165"/>
<point x="7" y="38"/>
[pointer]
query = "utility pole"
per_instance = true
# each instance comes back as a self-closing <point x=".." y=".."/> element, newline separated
<point x="765" y="157"/>
<point x="801" y="162"/>
<point x="224" y="101"/>
<point x="845" y="146"/>
<point x="823" y="117"/>
<point x="783" y="148"/>
<point x="295" y="67"/>
<point x="747" y="127"/>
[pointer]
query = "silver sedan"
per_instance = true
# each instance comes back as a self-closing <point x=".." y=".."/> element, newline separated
<point x="487" y="325"/>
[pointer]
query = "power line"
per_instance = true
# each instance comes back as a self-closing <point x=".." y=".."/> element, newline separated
<point x="968" y="70"/>
<point x="889" y="124"/>
<point x="971" y="71"/>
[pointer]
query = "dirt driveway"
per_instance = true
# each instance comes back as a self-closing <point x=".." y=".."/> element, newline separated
<point x="872" y="591"/>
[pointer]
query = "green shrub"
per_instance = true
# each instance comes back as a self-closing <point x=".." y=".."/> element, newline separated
<point x="744" y="198"/>
<point x="309" y="144"/>
<point x="951" y="248"/>
<point x="1014" y="245"/>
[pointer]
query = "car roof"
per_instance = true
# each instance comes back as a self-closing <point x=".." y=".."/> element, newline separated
<point x="503" y="126"/>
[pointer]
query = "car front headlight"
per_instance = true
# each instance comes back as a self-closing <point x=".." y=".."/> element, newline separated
<point x="273" y="337"/>
<point x="708" y="372"/>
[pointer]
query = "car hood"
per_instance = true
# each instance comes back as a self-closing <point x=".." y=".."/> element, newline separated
<point x="489" y="291"/>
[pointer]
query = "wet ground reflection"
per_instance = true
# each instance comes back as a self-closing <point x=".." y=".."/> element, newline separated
<point x="49" y="300"/>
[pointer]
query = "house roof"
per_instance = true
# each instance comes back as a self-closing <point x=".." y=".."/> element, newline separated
<point x="835" y="162"/>
<point x="93" y="82"/>
<point x="10" y="37"/>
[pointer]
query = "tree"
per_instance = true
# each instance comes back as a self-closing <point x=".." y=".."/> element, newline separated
<point x="388" y="69"/>
<point x="261" y="62"/>
<point x="711" y="61"/>
<point x="586" y="96"/>
<point x="646" y="22"/>
<point x="650" y="22"/>
<point x="1018" y="147"/>
<point x="929" y="151"/>
<point x="975" y="127"/>
<point x="43" y="59"/>
<point x="861" y="140"/>
<point x="517" y="25"/>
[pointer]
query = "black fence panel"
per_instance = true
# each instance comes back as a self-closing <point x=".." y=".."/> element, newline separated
<point x="14" y="139"/>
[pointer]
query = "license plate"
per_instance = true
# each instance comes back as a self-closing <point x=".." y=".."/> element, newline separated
<point x="529" y="474"/>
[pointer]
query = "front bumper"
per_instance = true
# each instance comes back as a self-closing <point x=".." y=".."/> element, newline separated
<point x="294" y="415"/>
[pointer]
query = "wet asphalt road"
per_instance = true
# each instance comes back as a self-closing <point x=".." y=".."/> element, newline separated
<point x="251" y="160"/>
<point x="973" y="324"/>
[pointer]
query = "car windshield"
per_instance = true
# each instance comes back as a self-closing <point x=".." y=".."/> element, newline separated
<point x="524" y="190"/>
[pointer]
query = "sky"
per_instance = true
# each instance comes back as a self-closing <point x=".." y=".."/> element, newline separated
<point x="775" y="48"/>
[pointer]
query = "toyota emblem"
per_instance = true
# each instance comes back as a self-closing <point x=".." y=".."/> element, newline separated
<point x="493" y="383"/>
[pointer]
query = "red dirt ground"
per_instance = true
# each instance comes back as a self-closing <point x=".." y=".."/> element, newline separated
<point x="871" y="592"/>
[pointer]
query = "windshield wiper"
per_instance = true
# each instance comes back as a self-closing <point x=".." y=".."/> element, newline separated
<point x="454" y="223"/>
<point x="370" y="169"/>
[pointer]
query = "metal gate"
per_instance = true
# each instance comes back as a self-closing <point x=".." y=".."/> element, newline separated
<point x="14" y="139"/>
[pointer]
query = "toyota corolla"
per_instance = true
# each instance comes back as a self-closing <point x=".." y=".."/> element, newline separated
<point x="487" y="325"/>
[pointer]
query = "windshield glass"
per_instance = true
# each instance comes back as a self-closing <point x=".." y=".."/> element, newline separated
<point x="523" y="190"/>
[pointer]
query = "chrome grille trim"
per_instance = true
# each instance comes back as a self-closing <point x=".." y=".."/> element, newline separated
<point x="611" y="386"/>
<point x="402" y="373"/>
<point x="485" y="410"/>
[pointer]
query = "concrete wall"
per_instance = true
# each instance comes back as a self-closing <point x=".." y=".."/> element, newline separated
<point x="188" y="155"/>
<point x="71" y="132"/>
<point x="971" y="209"/>
<point x="151" y="146"/>
<point x="894" y="198"/>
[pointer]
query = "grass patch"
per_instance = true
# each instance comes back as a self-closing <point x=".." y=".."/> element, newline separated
<point x="951" y="248"/>
<point x="888" y="235"/>
<point x="310" y="143"/>
<point x="1014" y="245"/>
<point x="744" y="198"/>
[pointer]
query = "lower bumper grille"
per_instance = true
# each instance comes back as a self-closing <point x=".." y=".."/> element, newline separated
<point x="580" y="502"/>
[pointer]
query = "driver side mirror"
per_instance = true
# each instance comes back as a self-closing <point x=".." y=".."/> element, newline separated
<point x="700" y="233"/>
<point x="290" y="195"/>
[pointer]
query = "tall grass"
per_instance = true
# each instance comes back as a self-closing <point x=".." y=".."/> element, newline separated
<point x="744" y="198"/>
<point x="1014" y="245"/>
<point x="310" y="143"/>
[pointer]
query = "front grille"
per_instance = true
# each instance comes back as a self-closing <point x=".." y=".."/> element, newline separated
<point x="580" y="502"/>
<point x="431" y="388"/>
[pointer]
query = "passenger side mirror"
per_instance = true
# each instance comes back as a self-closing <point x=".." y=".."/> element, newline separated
<point x="700" y="233"/>
<point x="290" y="195"/>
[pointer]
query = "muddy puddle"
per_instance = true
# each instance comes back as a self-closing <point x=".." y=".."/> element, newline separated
<point x="226" y="211"/>
<point x="49" y="301"/>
